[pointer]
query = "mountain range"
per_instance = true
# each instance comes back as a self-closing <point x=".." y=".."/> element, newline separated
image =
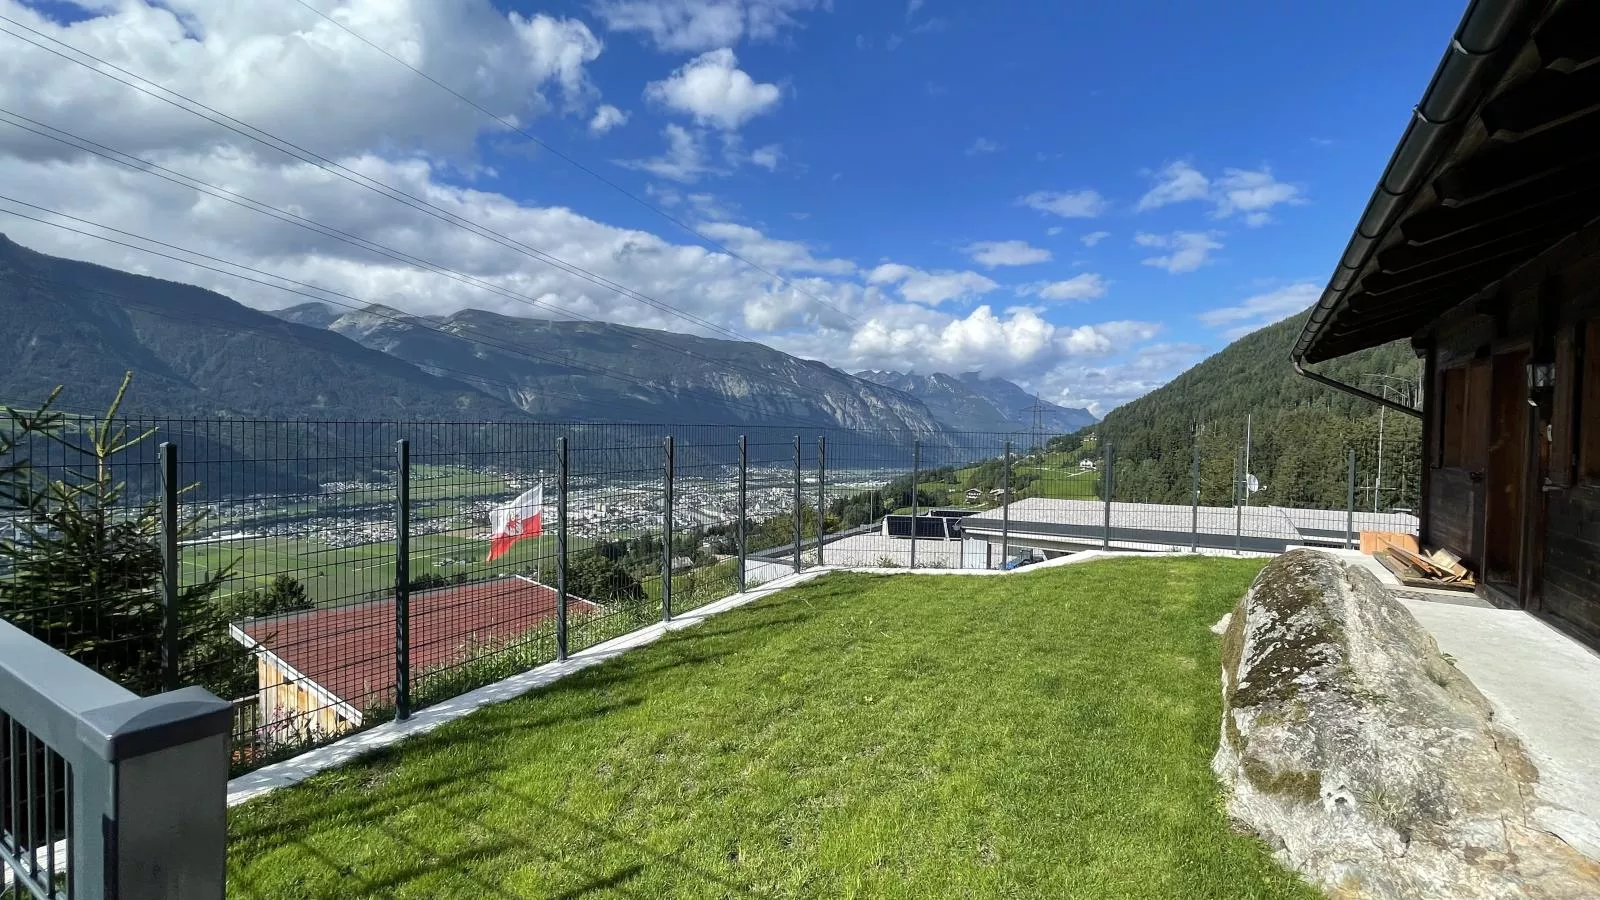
<point x="196" y="353"/>
<point x="971" y="402"/>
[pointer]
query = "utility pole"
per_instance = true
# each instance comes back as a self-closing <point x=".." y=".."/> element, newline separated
<point x="1377" y="481"/>
<point x="1401" y="394"/>
<point x="1402" y="388"/>
<point x="1038" y="422"/>
<point x="1247" y="422"/>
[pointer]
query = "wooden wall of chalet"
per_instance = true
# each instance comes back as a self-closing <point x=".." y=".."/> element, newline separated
<point x="1551" y="306"/>
<point x="294" y="705"/>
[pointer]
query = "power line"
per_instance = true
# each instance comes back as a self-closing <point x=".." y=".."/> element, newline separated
<point x="291" y="149"/>
<point x="513" y="126"/>
<point x="144" y="166"/>
<point x="352" y="303"/>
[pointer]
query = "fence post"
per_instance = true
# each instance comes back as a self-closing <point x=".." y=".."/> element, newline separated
<point x="744" y="482"/>
<point x="402" y="583"/>
<point x="666" y="539"/>
<point x="1106" y="488"/>
<point x="561" y="548"/>
<point x="916" y="477"/>
<point x="1194" y="512"/>
<point x="1350" y="507"/>
<point x="1238" y="503"/>
<point x="142" y="782"/>
<point x="797" y="504"/>
<point x="1005" y="509"/>
<point x="822" y="493"/>
<point x="169" y="566"/>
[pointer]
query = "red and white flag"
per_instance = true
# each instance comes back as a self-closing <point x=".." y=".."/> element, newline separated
<point x="521" y="518"/>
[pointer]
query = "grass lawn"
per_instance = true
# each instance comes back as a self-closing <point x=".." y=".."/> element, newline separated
<point x="1061" y="484"/>
<point x="1039" y="735"/>
<point x="348" y="574"/>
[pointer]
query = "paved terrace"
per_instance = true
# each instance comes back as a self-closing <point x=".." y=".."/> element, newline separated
<point x="1076" y="524"/>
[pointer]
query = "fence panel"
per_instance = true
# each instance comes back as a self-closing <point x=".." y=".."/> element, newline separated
<point x="616" y="499"/>
<point x="863" y="487"/>
<point x="705" y="517"/>
<point x="770" y="505"/>
<point x="290" y="533"/>
<point x="286" y="546"/>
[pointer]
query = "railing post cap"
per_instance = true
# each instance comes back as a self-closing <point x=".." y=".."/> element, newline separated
<point x="150" y="724"/>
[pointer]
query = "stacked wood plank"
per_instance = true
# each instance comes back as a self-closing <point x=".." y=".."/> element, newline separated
<point x="1400" y="554"/>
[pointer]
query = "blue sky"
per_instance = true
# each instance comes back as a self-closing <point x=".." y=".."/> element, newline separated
<point x="1083" y="197"/>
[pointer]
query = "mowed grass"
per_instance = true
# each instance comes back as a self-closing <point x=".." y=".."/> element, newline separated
<point x="1060" y="484"/>
<point x="1053" y="482"/>
<point x="345" y="574"/>
<point x="1038" y="735"/>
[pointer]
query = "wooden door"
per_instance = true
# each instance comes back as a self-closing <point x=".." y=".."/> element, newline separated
<point x="1506" y="472"/>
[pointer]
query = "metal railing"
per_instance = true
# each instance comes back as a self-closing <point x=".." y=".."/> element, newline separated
<point x="349" y="558"/>
<point x="106" y="795"/>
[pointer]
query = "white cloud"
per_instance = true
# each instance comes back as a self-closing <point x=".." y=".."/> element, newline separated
<point x="1014" y="341"/>
<point x="773" y="254"/>
<point x="931" y="288"/>
<point x="893" y="42"/>
<point x="1054" y="230"/>
<point x="982" y="145"/>
<point x="701" y="282"/>
<point x="1094" y="237"/>
<point x="715" y="91"/>
<point x="1086" y="286"/>
<point x="1005" y="253"/>
<point x="1189" y="249"/>
<point x="684" y="160"/>
<point x="1261" y="310"/>
<point x="1177" y="183"/>
<point x="406" y="138"/>
<point x="709" y="207"/>
<point x="911" y="8"/>
<point x="1085" y="204"/>
<point x="606" y="118"/>
<point x="1251" y="192"/>
<point x="691" y="26"/>
<point x="288" y="71"/>
<point x="767" y="157"/>
<point x="1101" y="387"/>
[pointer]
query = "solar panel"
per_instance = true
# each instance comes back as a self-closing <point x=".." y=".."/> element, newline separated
<point x="925" y="526"/>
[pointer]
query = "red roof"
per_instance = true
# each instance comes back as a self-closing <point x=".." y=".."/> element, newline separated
<point x="349" y="650"/>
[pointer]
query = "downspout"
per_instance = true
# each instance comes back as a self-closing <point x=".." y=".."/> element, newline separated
<point x="1455" y="91"/>
<point x="1354" y="391"/>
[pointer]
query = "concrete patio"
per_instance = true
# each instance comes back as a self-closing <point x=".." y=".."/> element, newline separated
<point x="1544" y="687"/>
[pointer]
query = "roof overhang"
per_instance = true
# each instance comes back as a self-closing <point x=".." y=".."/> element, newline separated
<point x="1500" y="162"/>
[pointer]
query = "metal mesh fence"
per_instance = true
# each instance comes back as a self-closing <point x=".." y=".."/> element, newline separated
<point x="35" y="806"/>
<point x="329" y="576"/>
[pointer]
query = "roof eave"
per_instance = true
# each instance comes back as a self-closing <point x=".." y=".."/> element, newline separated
<point x="1471" y="65"/>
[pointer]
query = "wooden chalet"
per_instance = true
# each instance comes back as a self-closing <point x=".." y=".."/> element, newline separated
<point x="1481" y="246"/>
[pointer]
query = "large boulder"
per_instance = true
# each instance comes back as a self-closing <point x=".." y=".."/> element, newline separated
<point x="1364" y="759"/>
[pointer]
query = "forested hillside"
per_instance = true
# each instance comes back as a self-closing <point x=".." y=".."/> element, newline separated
<point x="1301" y="430"/>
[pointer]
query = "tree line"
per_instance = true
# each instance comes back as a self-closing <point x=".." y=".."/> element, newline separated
<point x="1301" y="432"/>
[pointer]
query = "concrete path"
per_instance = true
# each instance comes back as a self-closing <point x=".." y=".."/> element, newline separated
<point x="1545" y="687"/>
